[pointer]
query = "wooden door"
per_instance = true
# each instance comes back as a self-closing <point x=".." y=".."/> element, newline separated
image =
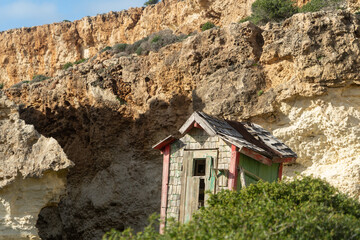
<point x="198" y="177"/>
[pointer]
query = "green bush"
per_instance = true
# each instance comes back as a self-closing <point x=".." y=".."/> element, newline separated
<point x="1" y="86"/>
<point x="38" y="78"/>
<point x="155" y="39"/>
<point x="317" y="5"/>
<point x="80" y="61"/>
<point x="151" y="2"/>
<point x="66" y="20"/>
<point x="121" y="47"/>
<point x="139" y="51"/>
<point x="207" y="25"/>
<point x="67" y="65"/>
<point x="105" y="49"/>
<point x="301" y="209"/>
<point x="264" y="11"/>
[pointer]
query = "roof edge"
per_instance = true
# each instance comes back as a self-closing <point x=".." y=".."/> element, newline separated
<point x="166" y="141"/>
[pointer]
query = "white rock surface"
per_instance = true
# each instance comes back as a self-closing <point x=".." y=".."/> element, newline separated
<point x="325" y="133"/>
<point x="32" y="174"/>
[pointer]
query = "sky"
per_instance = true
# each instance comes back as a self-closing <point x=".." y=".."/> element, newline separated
<point x="28" y="13"/>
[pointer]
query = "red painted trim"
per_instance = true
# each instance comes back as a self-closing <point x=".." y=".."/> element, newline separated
<point x="256" y="156"/>
<point x="164" y="188"/>
<point x="160" y="145"/>
<point x="196" y="125"/>
<point x="286" y="160"/>
<point x="280" y="171"/>
<point x="235" y="155"/>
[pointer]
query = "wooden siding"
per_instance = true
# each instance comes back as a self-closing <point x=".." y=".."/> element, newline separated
<point x="254" y="171"/>
<point x="195" y="139"/>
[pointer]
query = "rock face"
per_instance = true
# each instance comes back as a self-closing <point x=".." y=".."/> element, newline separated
<point x="27" y="52"/>
<point x="32" y="176"/>
<point x="298" y="79"/>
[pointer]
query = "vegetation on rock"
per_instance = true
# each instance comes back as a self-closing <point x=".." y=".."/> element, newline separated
<point x="264" y="11"/>
<point x="151" y="2"/>
<point x="301" y="209"/>
<point x="39" y="78"/>
<point x="67" y="65"/>
<point x="150" y="43"/>
<point x="317" y="5"/>
<point x="207" y="25"/>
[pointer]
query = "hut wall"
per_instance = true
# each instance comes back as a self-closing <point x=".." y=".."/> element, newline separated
<point x="196" y="139"/>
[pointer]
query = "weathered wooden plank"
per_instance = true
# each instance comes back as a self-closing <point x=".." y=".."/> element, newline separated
<point x="242" y="178"/>
<point x="234" y="162"/>
<point x="164" y="188"/>
<point x="187" y="125"/>
<point x="280" y="171"/>
<point x="187" y="157"/>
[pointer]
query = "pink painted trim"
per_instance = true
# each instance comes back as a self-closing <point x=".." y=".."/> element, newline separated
<point x="164" y="188"/>
<point x="233" y="168"/>
<point x="280" y="171"/>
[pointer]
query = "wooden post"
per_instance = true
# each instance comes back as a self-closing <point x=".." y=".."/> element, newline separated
<point x="280" y="171"/>
<point x="164" y="188"/>
<point x="233" y="167"/>
<point x="242" y="178"/>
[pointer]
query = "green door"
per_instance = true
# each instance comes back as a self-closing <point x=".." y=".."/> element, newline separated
<point x="253" y="171"/>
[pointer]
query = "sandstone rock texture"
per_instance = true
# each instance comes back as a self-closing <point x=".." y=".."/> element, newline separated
<point x="26" y="52"/>
<point x="33" y="172"/>
<point x="298" y="79"/>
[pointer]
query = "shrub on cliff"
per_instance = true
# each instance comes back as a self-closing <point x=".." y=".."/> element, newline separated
<point x="151" y="2"/>
<point x="207" y="26"/>
<point x="317" y="5"/>
<point x="67" y="65"/>
<point x="301" y="209"/>
<point x="39" y="78"/>
<point x="150" y="43"/>
<point x="264" y="11"/>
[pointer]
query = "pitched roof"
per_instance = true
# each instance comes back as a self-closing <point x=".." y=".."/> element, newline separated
<point x="241" y="134"/>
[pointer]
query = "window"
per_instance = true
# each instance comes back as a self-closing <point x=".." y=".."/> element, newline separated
<point x="199" y="166"/>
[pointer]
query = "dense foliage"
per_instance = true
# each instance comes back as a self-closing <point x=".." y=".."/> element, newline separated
<point x="301" y="209"/>
<point x="151" y="2"/>
<point x="272" y="10"/>
<point x="151" y="43"/>
<point x="207" y="25"/>
<point x="317" y="5"/>
<point x="264" y="11"/>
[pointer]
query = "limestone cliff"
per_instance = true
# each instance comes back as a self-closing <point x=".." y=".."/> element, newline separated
<point x="32" y="174"/>
<point x="26" y="52"/>
<point x="45" y="49"/>
<point x="298" y="79"/>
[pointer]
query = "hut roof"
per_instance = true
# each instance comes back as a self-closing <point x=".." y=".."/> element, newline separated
<point x="241" y="134"/>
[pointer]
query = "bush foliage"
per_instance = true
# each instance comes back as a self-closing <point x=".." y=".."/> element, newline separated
<point x="150" y="43"/>
<point x="207" y="25"/>
<point x="151" y="2"/>
<point x="317" y="5"/>
<point x="301" y="209"/>
<point x="264" y="11"/>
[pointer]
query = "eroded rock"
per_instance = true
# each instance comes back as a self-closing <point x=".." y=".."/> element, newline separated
<point x="32" y="176"/>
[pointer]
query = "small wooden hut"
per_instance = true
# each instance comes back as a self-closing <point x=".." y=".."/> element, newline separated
<point x="215" y="154"/>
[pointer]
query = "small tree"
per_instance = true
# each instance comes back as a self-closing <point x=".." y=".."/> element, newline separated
<point x="272" y="10"/>
<point x="151" y="2"/>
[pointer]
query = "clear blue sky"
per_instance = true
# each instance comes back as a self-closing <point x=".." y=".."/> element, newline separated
<point x="28" y="13"/>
